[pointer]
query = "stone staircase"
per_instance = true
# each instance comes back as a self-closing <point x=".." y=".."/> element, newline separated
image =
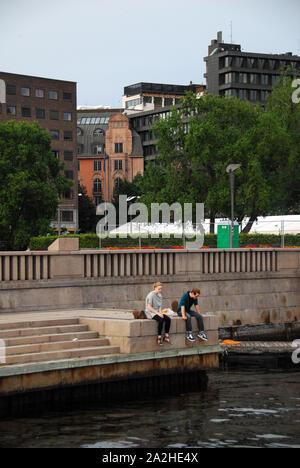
<point x="51" y="339"/>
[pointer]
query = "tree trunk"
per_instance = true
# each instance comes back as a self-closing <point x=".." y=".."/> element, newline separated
<point x="249" y="225"/>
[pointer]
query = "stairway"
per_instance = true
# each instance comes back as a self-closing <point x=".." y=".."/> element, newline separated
<point x="51" y="339"/>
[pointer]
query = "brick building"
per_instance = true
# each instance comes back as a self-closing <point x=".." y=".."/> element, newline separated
<point x="108" y="151"/>
<point x="51" y="103"/>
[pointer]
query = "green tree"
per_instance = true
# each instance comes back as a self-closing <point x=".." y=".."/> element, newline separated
<point x="31" y="182"/>
<point x="195" y="145"/>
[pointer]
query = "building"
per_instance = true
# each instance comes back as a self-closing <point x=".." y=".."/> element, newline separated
<point x="245" y="75"/>
<point x="108" y="151"/>
<point x="142" y="123"/>
<point x="149" y="96"/>
<point x="51" y="103"/>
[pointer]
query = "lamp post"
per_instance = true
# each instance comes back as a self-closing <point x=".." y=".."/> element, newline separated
<point x="230" y="169"/>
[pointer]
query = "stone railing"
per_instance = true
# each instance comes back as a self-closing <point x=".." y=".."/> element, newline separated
<point x="49" y="265"/>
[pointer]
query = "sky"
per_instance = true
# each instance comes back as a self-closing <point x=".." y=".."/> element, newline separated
<point x="106" y="45"/>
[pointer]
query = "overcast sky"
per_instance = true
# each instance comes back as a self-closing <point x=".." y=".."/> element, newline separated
<point x="105" y="45"/>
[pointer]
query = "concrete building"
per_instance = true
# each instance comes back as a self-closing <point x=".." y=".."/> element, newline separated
<point x="149" y="96"/>
<point x="52" y="103"/>
<point x="245" y="75"/>
<point x="108" y="151"/>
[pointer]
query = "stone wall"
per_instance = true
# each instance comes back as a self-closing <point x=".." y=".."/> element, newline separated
<point x="244" y="286"/>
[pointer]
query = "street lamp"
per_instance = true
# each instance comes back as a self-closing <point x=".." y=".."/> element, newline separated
<point x="230" y="169"/>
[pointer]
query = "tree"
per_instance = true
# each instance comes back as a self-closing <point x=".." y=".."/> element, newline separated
<point x="195" y="145"/>
<point x="86" y="211"/>
<point x="31" y="182"/>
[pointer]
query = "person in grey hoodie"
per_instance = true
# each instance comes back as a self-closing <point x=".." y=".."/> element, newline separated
<point x="153" y="311"/>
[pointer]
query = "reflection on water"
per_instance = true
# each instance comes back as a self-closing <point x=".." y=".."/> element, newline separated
<point x="252" y="408"/>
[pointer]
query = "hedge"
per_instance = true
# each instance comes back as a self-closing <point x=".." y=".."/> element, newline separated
<point x="91" y="241"/>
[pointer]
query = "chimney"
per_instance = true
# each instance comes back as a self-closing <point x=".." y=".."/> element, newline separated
<point x="219" y="37"/>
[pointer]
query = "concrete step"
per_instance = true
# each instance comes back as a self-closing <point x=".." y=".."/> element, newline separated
<point x="32" y="339"/>
<point x="62" y="354"/>
<point x="55" y="346"/>
<point x="37" y="323"/>
<point x="45" y="330"/>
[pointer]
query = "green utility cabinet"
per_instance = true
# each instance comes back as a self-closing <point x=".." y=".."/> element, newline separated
<point x="224" y="233"/>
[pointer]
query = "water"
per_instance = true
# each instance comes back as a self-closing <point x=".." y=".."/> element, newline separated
<point x="240" y="408"/>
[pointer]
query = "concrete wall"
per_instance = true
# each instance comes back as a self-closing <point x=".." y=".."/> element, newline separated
<point x="244" y="286"/>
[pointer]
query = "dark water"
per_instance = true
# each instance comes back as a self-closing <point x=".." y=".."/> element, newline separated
<point x="249" y="408"/>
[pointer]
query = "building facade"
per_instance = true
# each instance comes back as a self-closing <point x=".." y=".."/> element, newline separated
<point x="245" y="75"/>
<point x="108" y="152"/>
<point x="149" y="96"/>
<point x="51" y="103"/>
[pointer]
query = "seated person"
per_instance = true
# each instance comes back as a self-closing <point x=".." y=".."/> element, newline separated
<point x="187" y="300"/>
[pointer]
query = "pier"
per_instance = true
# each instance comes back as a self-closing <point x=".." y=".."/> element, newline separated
<point x="77" y="355"/>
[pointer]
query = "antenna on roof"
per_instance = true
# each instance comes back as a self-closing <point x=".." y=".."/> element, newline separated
<point x="230" y="32"/>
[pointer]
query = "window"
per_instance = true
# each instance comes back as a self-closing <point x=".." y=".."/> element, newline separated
<point x="11" y="110"/>
<point x="25" y="91"/>
<point x="66" y="216"/>
<point x="40" y="113"/>
<point x="98" y="132"/>
<point x="68" y="116"/>
<point x="78" y="166"/>
<point x="117" y="183"/>
<point x="40" y="93"/>
<point x="69" y="174"/>
<point x="118" y="164"/>
<point x="253" y="95"/>
<point x="253" y="78"/>
<point x="56" y="153"/>
<point x="68" y="135"/>
<point x="67" y="96"/>
<point x="97" y="165"/>
<point x="69" y="195"/>
<point x="53" y="94"/>
<point x="97" y="149"/>
<point x="79" y="132"/>
<point x="54" y="115"/>
<point x="243" y="94"/>
<point x="228" y="61"/>
<point x="243" y="78"/>
<point x="11" y="89"/>
<point x="68" y="155"/>
<point x="54" y="134"/>
<point x="26" y="112"/>
<point x="168" y="101"/>
<point x="264" y="79"/>
<point x="97" y="186"/>
<point x="118" y="147"/>
<point x="264" y="95"/>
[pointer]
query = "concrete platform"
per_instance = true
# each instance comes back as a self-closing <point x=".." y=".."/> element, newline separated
<point x="61" y="350"/>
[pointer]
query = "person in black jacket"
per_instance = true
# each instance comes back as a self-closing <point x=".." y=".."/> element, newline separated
<point x="187" y="300"/>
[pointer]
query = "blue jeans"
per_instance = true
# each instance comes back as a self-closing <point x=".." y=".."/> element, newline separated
<point x="189" y="315"/>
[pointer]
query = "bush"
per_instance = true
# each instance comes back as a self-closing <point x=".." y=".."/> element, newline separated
<point x="91" y="241"/>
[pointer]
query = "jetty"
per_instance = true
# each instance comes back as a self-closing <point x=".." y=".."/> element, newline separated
<point x="77" y="355"/>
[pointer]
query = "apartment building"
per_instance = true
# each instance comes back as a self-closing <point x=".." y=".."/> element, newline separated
<point x="51" y="103"/>
<point x="245" y="75"/>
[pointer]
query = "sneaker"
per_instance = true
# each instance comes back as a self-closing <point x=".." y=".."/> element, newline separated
<point x="202" y="336"/>
<point x="190" y="337"/>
